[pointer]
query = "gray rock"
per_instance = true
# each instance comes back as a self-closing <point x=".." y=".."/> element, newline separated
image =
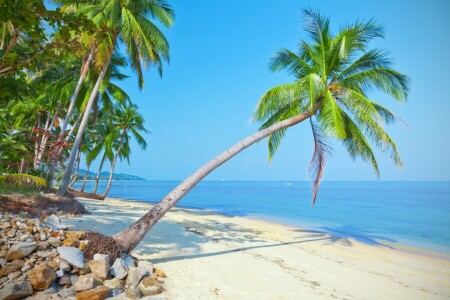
<point x="135" y="275"/>
<point x="20" y="250"/>
<point x="146" y="265"/>
<point x="59" y="273"/>
<point x="64" y="265"/>
<point x="53" y="219"/>
<point x="129" y="261"/>
<point x="72" y="255"/>
<point x="67" y="292"/>
<point x="115" y="292"/>
<point x="84" y="282"/>
<point x="16" y="290"/>
<point x="119" y="269"/>
<point x="2" y="262"/>
<point x="51" y="290"/>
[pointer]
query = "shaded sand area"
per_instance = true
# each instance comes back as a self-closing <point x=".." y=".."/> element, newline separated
<point x="212" y="256"/>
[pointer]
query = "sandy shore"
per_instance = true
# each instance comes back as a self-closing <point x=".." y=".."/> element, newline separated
<point x="212" y="256"/>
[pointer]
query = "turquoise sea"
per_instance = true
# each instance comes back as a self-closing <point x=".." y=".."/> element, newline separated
<point x="414" y="214"/>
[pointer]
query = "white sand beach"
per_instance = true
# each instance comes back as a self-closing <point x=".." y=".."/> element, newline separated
<point x="206" y="255"/>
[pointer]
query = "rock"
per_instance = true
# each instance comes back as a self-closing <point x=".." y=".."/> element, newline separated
<point x="72" y="255"/>
<point x="16" y="290"/>
<point x="53" y="219"/>
<point x="59" y="273"/>
<point x="24" y="237"/>
<point x="119" y="269"/>
<point x="133" y="292"/>
<point x="41" y="277"/>
<point x="42" y="237"/>
<point x="113" y="283"/>
<point x="20" y="250"/>
<point x="146" y="265"/>
<point x="64" y="280"/>
<point x="83" y="245"/>
<point x="53" y="265"/>
<point x="115" y="292"/>
<point x="26" y="268"/>
<point x="84" y="282"/>
<point x="99" y="293"/>
<point x="129" y="261"/>
<point x="150" y="287"/>
<point x="51" y="290"/>
<point x="66" y="292"/>
<point x="100" y="265"/>
<point x="64" y="265"/>
<point x="55" y="242"/>
<point x="160" y="273"/>
<point x="11" y="233"/>
<point x="11" y="267"/>
<point x="135" y="275"/>
<point x="70" y="242"/>
<point x="2" y="262"/>
<point x="76" y="235"/>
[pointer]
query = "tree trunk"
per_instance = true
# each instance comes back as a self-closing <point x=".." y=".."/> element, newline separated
<point x="46" y="136"/>
<point x="129" y="238"/>
<point x="85" y="177"/>
<point x="76" y="172"/>
<point x="40" y="149"/>
<point x="97" y="178"/>
<point x="113" y="164"/>
<point x="66" y="177"/>
<point x="58" y="150"/>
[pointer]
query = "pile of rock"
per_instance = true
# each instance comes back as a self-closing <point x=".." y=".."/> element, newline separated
<point x="43" y="260"/>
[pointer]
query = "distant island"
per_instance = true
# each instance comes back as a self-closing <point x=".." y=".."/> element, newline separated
<point x="105" y="176"/>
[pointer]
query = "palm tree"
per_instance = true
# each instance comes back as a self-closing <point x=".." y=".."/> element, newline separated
<point x="333" y="75"/>
<point x="128" y="122"/>
<point x="124" y="21"/>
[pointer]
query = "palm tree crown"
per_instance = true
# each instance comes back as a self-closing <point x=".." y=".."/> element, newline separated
<point x="334" y="74"/>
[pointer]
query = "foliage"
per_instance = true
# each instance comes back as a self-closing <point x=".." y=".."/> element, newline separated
<point x="334" y="74"/>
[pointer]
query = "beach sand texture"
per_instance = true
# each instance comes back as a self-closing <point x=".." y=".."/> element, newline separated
<point x="206" y="255"/>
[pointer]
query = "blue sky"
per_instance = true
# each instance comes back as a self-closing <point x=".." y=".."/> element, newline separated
<point x="219" y="68"/>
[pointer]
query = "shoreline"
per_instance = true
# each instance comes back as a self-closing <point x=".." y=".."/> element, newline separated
<point x="209" y="255"/>
<point x="398" y="246"/>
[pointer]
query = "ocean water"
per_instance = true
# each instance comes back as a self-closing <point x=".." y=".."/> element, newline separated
<point x="414" y="214"/>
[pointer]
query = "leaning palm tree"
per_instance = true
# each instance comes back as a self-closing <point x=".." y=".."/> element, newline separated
<point x="333" y="76"/>
<point x="124" y="21"/>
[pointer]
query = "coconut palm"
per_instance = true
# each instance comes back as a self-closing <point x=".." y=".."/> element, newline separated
<point x="334" y="74"/>
<point x="128" y="123"/>
<point x="124" y="21"/>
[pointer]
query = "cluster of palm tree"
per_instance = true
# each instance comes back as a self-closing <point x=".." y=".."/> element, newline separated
<point x="62" y="102"/>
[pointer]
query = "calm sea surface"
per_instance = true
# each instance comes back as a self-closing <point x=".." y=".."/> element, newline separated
<point x="410" y="213"/>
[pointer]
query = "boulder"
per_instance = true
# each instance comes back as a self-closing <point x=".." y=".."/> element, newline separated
<point x="76" y="235"/>
<point x="20" y="250"/>
<point x="64" y="265"/>
<point x="41" y="277"/>
<point x="150" y="286"/>
<point x="119" y="269"/>
<point x="73" y="256"/>
<point x="16" y="290"/>
<point x="128" y="261"/>
<point x="66" y="293"/>
<point x="135" y="275"/>
<point x="133" y="292"/>
<point x="99" y="293"/>
<point x="53" y="219"/>
<point x="84" y="282"/>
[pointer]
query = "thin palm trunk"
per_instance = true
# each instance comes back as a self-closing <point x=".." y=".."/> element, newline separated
<point x="97" y="178"/>
<point x="113" y="164"/>
<point x="77" y="170"/>
<point x="88" y="165"/>
<point x="129" y="238"/>
<point x="38" y="155"/>
<point x="46" y="136"/>
<point x="69" y="169"/>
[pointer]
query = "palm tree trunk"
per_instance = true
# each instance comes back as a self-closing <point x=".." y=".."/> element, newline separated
<point x="66" y="177"/>
<point x="129" y="238"/>
<point x="46" y="135"/>
<point x="97" y="178"/>
<point x="58" y="150"/>
<point x="85" y="177"/>
<point x="76" y="172"/>
<point x="113" y="164"/>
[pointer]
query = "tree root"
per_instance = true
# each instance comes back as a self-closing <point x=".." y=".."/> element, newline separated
<point x="103" y="244"/>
